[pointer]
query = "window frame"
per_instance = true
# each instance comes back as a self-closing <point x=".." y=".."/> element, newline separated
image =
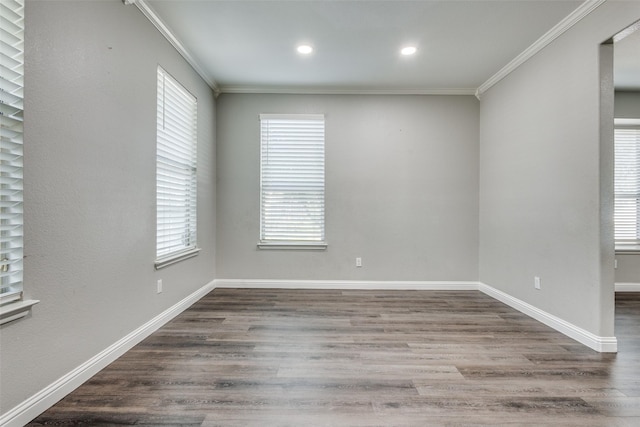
<point x="630" y="245"/>
<point x="307" y="243"/>
<point x="176" y="171"/>
<point x="13" y="306"/>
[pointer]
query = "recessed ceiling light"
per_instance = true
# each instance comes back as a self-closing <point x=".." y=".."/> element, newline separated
<point x="409" y="50"/>
<point x="304" y="49"/>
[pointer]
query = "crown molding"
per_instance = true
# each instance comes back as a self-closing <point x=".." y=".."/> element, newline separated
<point x="573" y="18"/>
<point x="175" y="42"/>
<point x="341" y="91"/>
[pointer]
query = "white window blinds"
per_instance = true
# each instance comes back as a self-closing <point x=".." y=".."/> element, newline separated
<point x="292" y="180"/>
<point x="11" y="94"/>
<point x="627" y="186"/>
<point x="176" y="170"/>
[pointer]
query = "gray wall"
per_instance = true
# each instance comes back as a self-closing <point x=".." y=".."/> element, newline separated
<point x="401" y="188"/>
<point x="90" y="189"/>
<point x="628" y="270"/>
<point x="542" y="184"/>
<point x="627" y="106"/>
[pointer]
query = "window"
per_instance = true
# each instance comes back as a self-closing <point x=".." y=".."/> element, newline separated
<point x="176" y="177"/>
<point x="292" y="181"/>
<point x="12" y="305"/>
<point x="627" y="187"/>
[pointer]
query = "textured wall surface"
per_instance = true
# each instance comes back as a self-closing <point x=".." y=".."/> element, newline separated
<point x="90" y="125"/>
<point x="401" y="188"/>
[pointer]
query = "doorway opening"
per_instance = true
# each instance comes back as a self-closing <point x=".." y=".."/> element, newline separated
<point x="626" y="157"/>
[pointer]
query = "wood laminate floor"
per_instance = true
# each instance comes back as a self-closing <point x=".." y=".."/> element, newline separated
<point x="362" y="358"/>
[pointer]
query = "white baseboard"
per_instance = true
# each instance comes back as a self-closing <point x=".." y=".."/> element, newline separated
<point x="600" y="344"/>
<point x="47" y="397"/>
<point x="597" y="343"/>
<point x="627" y="287"/>
<point x="398" y="285"/>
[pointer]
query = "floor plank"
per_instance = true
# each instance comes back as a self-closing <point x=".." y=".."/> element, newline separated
<point x="362" y="358"/>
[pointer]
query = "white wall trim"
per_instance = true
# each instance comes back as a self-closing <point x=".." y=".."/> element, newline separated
<point x="398" y="285"/>
<point x="597" y="343"/>
<point x="573" y="18"/>
<point x="175" y="42"/>
<point x="47" y="397"/>
<point x="627" y="287"/>
<point x="600" y="344"/>
<point x="16" y="310"/>
<point x="344" y="91"/>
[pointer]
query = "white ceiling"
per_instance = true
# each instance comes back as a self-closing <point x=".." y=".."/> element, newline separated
<point x="245" y="46"/>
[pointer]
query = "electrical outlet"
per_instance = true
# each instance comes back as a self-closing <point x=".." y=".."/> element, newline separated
<point x="358" y="262"/>
<point x="536" y="282"/>
<point x="159" y="286"/>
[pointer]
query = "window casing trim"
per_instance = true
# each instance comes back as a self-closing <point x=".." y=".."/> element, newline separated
<point x="12" y="303"/>
<point x="176" y="257"/>
<point x="320" y="246"/>
<point x="176" y="172"/>
<point x="281" y="178"/>
<point x="627" y="151"/>
<point x="16" y="310"/>
<point x="622" y="249"/>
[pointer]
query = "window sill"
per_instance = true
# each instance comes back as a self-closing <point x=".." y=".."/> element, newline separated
<point x="174" y="258"/>
<point x="627" y="249"/>
<point x="294" y="246"/>
<point x="15" y="310"/>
